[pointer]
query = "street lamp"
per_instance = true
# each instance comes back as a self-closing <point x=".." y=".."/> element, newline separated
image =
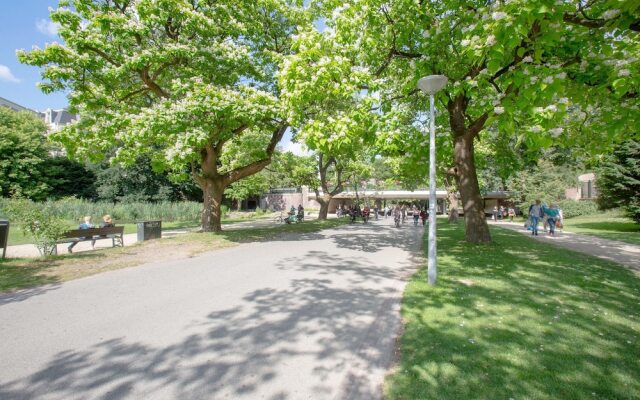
<point x="431" y="85"/>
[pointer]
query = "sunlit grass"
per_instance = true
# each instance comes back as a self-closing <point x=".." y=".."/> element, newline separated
<point x="519" y="319"/>
<point x="609" y="225"/>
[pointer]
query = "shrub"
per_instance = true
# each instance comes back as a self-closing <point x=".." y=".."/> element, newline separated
<point x="37" y="221"/>
<point x="572" y="208"/>
<point x="73" y="209"/>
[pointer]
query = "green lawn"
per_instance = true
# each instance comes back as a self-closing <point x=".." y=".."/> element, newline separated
<point x="609" y="225"/>
<point x="518" y="319"/>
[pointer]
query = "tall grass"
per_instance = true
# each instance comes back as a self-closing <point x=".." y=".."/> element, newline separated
<point x="75" y="209"/>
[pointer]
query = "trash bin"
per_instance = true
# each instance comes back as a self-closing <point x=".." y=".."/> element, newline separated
<point x="4" y="237"/>
<point x="149" y="230"/>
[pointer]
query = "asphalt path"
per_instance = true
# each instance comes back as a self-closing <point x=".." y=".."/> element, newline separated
<point x="613" y="250"/>
<point x="310" y="316"/>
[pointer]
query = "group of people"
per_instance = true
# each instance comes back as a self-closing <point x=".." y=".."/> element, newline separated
<point x="502" y="213"/>
<point x="398" y="212"/>
<point x="107" y="222"/>
<point x="550" y="215"/>
<point x="299" y="215"/>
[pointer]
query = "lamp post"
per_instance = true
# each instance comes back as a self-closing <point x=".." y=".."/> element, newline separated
<point x="431" y="85"/>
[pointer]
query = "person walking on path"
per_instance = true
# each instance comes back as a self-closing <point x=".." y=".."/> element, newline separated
<point x="512" y="213"/>
<point x="424" y="215"/>
<point x="535" y="212"/>
<point x="416" y="215"/>
<point x="552" y="214"/>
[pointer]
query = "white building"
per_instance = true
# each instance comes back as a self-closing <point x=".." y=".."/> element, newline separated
<point x="56" y="119"/>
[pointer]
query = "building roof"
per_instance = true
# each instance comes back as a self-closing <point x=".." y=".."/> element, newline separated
<point x="497" y="195"/>
<point x="14" y="106"/>
<point x="59" y="117"/>
<point x="388" y="194"/>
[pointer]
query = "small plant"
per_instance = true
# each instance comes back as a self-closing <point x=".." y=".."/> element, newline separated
<point x="38" y="222"/>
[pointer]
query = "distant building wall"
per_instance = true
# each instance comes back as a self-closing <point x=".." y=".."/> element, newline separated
<point x="587" y="189"/>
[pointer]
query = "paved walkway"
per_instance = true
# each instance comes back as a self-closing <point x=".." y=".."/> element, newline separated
<point x="30" y="250"/>
<point x="612" y="250"/>
<point x="308" y="316"/>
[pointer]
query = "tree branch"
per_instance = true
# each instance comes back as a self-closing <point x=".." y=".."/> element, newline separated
<point x="128" y="96"/>
<point x="256" y="166"/>
<point x="151" y="84"/>
<point x="104" y="55"/>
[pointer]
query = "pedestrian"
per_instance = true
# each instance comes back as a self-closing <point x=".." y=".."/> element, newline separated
<point x="375" y="211"/>
<point x="416" y="215"/>
<point x="512" y="213"/>
<point x="495" y="213"/>
<point x="560" y="223"/>
<point x="424" y="215"/>
<point x="403" y="210"/>
<point x="535" y="212"/>
<point x="552" y="214"/>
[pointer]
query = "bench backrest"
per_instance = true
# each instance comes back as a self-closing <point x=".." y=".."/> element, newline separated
<point x="114" y="230"/>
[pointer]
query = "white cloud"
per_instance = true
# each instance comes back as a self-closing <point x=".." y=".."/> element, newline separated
<point x="47" y="27"/>
<point x="6" y="75"/>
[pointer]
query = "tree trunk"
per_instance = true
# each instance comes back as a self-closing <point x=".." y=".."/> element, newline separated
<point x="212" y="207"/>
<point x="476" y="228"/>
<point x="324" y="206"/>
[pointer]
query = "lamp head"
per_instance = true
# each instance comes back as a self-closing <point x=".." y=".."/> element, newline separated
<point x="432" y="83"/>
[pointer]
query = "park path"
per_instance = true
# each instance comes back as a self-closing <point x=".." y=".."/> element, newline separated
<point x="620" y="252"/>
<point x="30" y="250"/>
<point x="309" y="316"/>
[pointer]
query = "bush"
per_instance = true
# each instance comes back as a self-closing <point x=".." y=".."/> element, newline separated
<point x="72" y="209"/>
<point x="572" y="208"/>
<point x="37" y="221"/>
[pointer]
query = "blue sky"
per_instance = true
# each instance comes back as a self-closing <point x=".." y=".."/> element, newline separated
<point x="23" y="24"/>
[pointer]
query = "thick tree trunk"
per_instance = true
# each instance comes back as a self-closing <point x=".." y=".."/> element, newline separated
<point x="212" y="206"/>
<point x="324" y="206"/>
<point x="476" y="228"/>
<point x="213" y="183"/>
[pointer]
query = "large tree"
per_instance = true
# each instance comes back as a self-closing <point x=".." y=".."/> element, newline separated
<point x="318" y="86"/>
<point x="178" y="80"/>
<point x="516" y="65"/>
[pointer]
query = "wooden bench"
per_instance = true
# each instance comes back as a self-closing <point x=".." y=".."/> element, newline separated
<point x="115" y="233"/>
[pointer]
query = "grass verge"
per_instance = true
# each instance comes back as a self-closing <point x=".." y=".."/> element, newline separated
<point x="609" y="225"/>
<point x="20" y="273"/>
<point x="518" y="319"/>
